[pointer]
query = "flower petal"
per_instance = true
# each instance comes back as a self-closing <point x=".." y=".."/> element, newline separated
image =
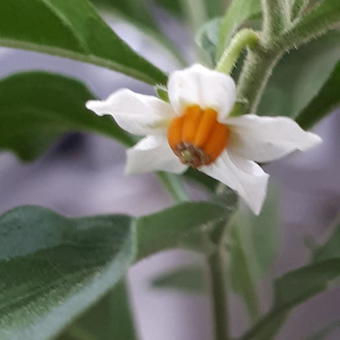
<point x="198" y="85"/>
<point x="135" y="113"/>
<point x="152" y="153"/>
<point x="264" y="139"/>
<point x="245" y="177"/>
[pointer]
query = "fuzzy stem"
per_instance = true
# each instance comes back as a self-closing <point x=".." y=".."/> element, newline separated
<point x="256" y="72"/>
<point x="276" y="17"/>
<point x="174" y="186"/>
<point x="217" y="266"/>
<point x="243" y="39"/>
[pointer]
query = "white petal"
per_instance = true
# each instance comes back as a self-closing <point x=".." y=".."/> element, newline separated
<point x="245" y="177"/>
<point x="135" y="113"/>
<point x="264" y="139"/>
<point x="198" y="85"/>
<point x="152" y="153"/>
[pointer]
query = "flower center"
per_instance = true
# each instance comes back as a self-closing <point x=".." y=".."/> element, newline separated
<point x="196" y="137"/>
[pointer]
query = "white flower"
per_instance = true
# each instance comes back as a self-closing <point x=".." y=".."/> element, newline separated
<point x="195" y="130"/>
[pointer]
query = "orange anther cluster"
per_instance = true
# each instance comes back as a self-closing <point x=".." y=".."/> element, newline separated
<point x="196" y="136"/>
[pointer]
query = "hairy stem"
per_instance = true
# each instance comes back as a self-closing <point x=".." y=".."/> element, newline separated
<point x="217" y="265"/>
<point x="255" y="74"/>
<point x="174" y="186"/>
<point x="243" y="39"/>
<point x="276" y="17"/>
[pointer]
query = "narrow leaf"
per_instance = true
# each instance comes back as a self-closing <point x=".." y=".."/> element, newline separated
<point x="237" y="13"/>
<point x="327" y="100"/>
<point x="74" y="30"/>
<point x="253" y="246"/>
<point x="292" y="289"/>
<point x="167" y="228"/>
<point x="36" y="108"/>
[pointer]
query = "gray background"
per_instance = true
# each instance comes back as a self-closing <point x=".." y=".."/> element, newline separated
<point x="83" y="175"/>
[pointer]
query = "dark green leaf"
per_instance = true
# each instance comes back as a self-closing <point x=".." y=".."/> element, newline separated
<point x="36" y="108"/>
<point x="253" y="247"/>
<point x="108" y="319"/>
<point x="299" y="77"/>
<point x="71" y="29"/>
<point x="139" y="13"/>
<point x="292" y="289"/>
<point x="190" y="279"/>
<point x="165" y="229"/>
<point x="52" y="268"/>
<point x="237" y="13"/>
<point x="136" y="11"/>
<point x="327" y="100"/>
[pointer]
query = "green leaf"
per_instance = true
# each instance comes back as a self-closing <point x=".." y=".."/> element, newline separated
<point x="36" y="108"/>
<point x="325" y="331"/>
<point x="74" y="30"/>
<point x="207" y="38"/>
<point x="292" y="289"/>
<point x="300" y="76"/>
<point x="108" y="319"/>
<point x="167" y="228"/>
<point x="52" y="268"/>
<point x="253" y="247"/>
<point x="136" y="11"/>
<point x="330" y="249"/>
<point x="327" y="100"/>
<point x="139" y="14"/>
<point x="237" y="13"/>
<point x="189" y="279"/>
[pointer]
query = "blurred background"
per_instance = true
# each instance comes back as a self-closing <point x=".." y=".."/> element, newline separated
<point x="83" y="175"/>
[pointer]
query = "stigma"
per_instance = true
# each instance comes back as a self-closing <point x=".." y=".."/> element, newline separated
<point x="196" y="136"/>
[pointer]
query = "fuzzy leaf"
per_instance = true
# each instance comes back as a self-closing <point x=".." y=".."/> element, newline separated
<point x="52" y="268"/>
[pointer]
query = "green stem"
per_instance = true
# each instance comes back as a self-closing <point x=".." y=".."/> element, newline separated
<point x="298" y="8"/>
<point x="243" y="39"/>
<point x="253" y="80"/>
<point x="276" y="17"/>
<point x="316" y="22"/>
<point x="173" y="185"/>
<point x="217" y="265"/>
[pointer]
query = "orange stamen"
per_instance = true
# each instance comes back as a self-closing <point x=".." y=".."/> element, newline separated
<point x="192" y="118"/>
<point x="196" y="136"/>
<point x="175" y="131"/>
